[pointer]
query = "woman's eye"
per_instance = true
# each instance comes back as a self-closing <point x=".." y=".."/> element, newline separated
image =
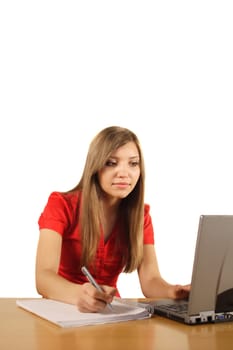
<point x="134" y="164"/>
<point x="110" y="163"/>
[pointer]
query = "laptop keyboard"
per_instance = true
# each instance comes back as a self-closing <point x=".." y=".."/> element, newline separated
<point x="179" y="307"/>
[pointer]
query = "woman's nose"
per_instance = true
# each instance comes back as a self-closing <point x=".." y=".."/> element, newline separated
<point x="122" y="171"/>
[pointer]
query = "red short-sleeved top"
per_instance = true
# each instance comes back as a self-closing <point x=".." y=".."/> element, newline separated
<point x="61" y="215"/>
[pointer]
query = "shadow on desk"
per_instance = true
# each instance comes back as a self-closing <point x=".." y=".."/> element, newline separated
<point x="193" y="337"/>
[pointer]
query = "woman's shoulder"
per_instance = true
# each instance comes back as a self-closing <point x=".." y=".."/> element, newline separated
<point x="64" y="198"/>
<point x="146" y="209"/>
<point x="60" y="211"/>
<point x="65" y="195"/>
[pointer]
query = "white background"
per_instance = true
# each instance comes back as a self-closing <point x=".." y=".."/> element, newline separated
<point x="70" y="68"/>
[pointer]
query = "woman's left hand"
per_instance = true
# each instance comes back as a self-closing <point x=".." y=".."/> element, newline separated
<point x="179" y="292"/>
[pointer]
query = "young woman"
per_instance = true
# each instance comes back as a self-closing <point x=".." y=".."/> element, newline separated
<point x="103" y="224"/>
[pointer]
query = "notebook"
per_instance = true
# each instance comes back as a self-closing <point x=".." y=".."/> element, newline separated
<point x="211" y="296"/>
<point x="67" y="315"/>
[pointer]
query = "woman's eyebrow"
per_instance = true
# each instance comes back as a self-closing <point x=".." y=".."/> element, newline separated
<point x="131" y="157"/>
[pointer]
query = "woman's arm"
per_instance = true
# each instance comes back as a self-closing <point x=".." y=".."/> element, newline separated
<point x="53" y="286"/>
<point x="151" y="281"/>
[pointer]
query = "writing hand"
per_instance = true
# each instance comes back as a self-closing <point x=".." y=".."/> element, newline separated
<point x="93" y="300"/>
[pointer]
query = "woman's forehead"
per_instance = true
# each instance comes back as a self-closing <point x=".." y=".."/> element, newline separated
<point x="128" y="150"/>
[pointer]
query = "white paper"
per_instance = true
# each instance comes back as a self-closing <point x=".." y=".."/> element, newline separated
<point x="67" y="315"/>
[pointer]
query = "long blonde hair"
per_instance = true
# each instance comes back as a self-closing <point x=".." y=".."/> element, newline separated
<point x="102" y="146"/>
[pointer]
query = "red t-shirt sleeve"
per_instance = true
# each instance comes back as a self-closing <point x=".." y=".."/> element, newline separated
<point x="148" y="227"/>
<point x="57" y="214"/>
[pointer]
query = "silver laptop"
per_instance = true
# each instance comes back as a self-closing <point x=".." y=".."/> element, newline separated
<point x="211" y="296"/>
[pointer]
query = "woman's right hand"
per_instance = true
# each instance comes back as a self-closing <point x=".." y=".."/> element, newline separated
<point x="92" y="300"/>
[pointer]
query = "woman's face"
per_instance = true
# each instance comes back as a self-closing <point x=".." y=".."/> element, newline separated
<point x="121" y="172"/>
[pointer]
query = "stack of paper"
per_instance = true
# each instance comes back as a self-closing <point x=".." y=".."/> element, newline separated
<point x="67" y="315"/>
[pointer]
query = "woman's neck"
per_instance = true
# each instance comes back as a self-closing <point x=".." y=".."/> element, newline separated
<point x="110" y="204"/>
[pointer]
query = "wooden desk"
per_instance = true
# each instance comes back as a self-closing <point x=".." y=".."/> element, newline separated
<point x="20" y="330"/>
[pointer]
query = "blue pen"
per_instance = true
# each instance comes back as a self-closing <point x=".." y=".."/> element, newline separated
<point x="93" y="282"/>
